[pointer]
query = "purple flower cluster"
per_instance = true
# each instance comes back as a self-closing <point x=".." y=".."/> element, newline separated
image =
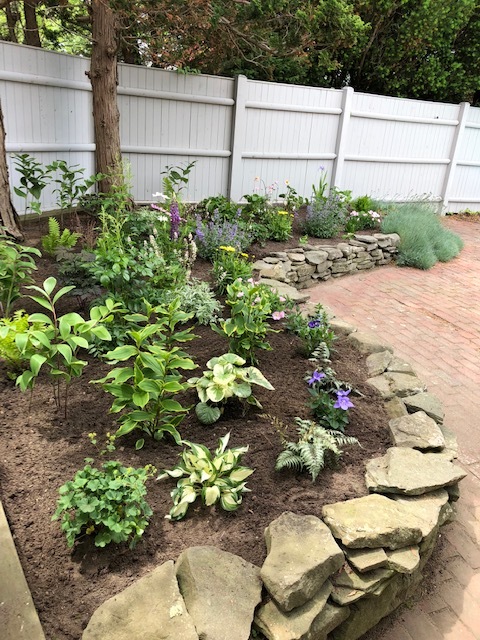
<point x="174" y="220"/>
<point x="314" y="324"/>
<point x="217" y="232"/>
<point x="316" y="377"/>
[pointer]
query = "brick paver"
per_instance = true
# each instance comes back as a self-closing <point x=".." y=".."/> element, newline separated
<point x="432" y="319"/>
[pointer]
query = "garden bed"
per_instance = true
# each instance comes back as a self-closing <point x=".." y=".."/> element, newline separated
<point x="40" y="451"/>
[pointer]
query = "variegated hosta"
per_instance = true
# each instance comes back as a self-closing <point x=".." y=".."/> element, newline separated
<point x="216" y="477"/>
<point x="227" y="378"/>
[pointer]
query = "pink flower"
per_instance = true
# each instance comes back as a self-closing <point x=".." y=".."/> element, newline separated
<point x="257" y="300"/>
<point x="240" y="294"/>
<point x="354" y="213"/>
<point x="278" y="315"/>
<point x="374" y="214"/>
<point x="282" y="299"/>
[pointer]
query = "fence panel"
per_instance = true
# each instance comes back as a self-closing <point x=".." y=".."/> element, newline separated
<point x="239" y="130"/>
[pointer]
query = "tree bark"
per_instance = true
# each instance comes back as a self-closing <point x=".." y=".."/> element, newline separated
<point x="12" y="19"/>
<point x="103" y="76"/>
<point x="32" y="36"/>
<point x="8" y="216"/>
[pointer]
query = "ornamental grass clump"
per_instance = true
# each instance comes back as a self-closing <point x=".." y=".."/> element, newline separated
<point x="423" y="239"/>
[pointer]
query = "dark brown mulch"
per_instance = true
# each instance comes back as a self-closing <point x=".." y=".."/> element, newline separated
<point x="39" y="451"/>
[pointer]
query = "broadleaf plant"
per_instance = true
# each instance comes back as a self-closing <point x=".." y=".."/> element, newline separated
<point x="226" y="378"/>
<point x="147" y="387"/>
<point x="215" y="477"/>
<point x="16" y="265"/>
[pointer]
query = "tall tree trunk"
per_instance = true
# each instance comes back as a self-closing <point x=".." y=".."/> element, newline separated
<point x="32" y="36"/>
<point x="12" y="19"/>
<point x="103" y="76"/>
<point x="8" y="216"/>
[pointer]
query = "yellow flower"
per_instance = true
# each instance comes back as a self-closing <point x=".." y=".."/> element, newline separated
<point x="282" y="213"/>
<point x="227" y="249"/>
<point x="245" y="255"/>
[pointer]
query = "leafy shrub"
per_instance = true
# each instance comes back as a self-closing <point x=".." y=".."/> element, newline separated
<point x="9" y="351"/>
<point x="216" y="477"/>
<point x="220" y="206"/>
<point x="363" y="204"/>
<point x="248" y="325"/>
<point x="279" y="225"/>
<point x="358" y="220"/>
<point x="325" y="217"/>
<point x="316" y="448"/>
<point x="228" y="265"/>
<point x="214" y="233"/>
<point x="227" y="378"/>
<point x="16" y="265"/>
<point x="147" y="389"/>
<point x="423" y="239"/>
<point x="107" y="502"/>
<point x="55" y="239"/>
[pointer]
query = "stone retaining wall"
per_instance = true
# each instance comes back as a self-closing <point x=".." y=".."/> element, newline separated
<point x="337" y="577"/>
<point x="305" y="265"/>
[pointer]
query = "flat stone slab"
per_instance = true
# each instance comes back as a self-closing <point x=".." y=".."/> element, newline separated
<point x="417" y="431"/>
<point x="221" y="591"/>
<point x="151" y="606"/>
<point x="301" y="555"/>
<point x="426" y="402"/>
<point x="404" y="560"/>
<point x="366" y="559"/>
<point x="366" y="582"/>
<point x="427" y="508"/>
<point x="397" y="365"/>
<point x="309" y="622"/>
<point x="372" y="521"/>
<point x="396" y="384"/>
<point x="285" y="290"/>
<point x="367" y="343"/>
<point x="378" y="362"/>
<point x="341" y="328"/>
<point x="410" y="472"/>
<point x="19" y="619"/>
<point x="396" y="408"/>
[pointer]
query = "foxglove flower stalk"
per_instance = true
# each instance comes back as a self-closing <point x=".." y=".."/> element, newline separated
<point x="174" y="220"/>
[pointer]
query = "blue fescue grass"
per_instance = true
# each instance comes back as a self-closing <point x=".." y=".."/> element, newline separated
<point x="423" y="239"/>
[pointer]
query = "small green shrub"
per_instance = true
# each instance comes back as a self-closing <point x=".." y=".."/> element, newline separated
<point x="108" y="502"/>
<point x="279" y="225"/>
<point x="423" y="239"/>
<point x="16" y="266"/>
<point x="314" y="330"/>
<point x="197" y="298"/>
<point x="9" y="351"/>
<point x="216" y="477"/>
<point x="325" y="216"/>
<point x="228" y="265"/>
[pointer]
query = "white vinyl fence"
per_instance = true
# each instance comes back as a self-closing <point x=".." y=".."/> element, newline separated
<point x="243" y="134"/>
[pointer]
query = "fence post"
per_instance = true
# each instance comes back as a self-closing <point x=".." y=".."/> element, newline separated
<point x="234" y="189"/>
<point x="342" y="133"/>
<point x="457" y="138"/>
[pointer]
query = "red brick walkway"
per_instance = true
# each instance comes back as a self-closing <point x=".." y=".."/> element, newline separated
<point x="432" y="319"/>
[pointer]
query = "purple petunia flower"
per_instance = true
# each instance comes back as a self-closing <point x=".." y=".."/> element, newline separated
<point x="316" y="377"/>
<point x="314" y="324"/>
<point x="343" y="401"/>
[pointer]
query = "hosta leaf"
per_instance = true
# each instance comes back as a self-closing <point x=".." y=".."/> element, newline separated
<point x="229" y="502"/>
<point x="211" y="495"/>
<point x="252" y="374"/>
<point x="207" y="414"/>
<point x="216" y="393"/>
<point x="122" y="353"/>
<point x="242" y="390"/>
<point x="140" y="398"/>
<point x="172" y="405"/>
<point x="240" y="474"/>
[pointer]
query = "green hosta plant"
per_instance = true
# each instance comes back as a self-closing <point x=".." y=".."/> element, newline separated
<point x="216" y="477"/>
<point x="54" y="239"/>
<point x="16" y="266"/>
<point x="56" y="345"/>
<point x="108" y="503"/>
<point x="147" y="388"/>
<point x="316" y="448"/>
<point x="227" y="378"/>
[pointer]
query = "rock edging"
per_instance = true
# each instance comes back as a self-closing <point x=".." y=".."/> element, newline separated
<point x="359" y="564"/>
<point x="305" y="265"/>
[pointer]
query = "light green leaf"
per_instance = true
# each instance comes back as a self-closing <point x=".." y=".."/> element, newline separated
<point x="240" y="474"/>
<point x="211" y="495"/>
<point x="216" y="393"/>
<point x="36" y="362"/>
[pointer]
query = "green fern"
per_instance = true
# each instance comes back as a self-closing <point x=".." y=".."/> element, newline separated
<point x="316" y="448"/>
<point x="55" y="239"/>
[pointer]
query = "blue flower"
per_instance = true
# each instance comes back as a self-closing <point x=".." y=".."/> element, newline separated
<point x="314" y="324"/>
<point x="343" y="401"/>
<point x="316" y="377"/>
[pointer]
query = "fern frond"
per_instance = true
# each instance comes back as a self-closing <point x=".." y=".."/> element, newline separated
<point x="289" y="460"/>
<point x="53" y="228"/>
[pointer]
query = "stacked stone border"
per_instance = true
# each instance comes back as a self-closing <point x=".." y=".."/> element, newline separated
<point x="306" y="265"/>
<point x="335" y="578"/>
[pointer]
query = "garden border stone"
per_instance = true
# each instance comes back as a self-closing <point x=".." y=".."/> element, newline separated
<point x="362" y="594"/>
